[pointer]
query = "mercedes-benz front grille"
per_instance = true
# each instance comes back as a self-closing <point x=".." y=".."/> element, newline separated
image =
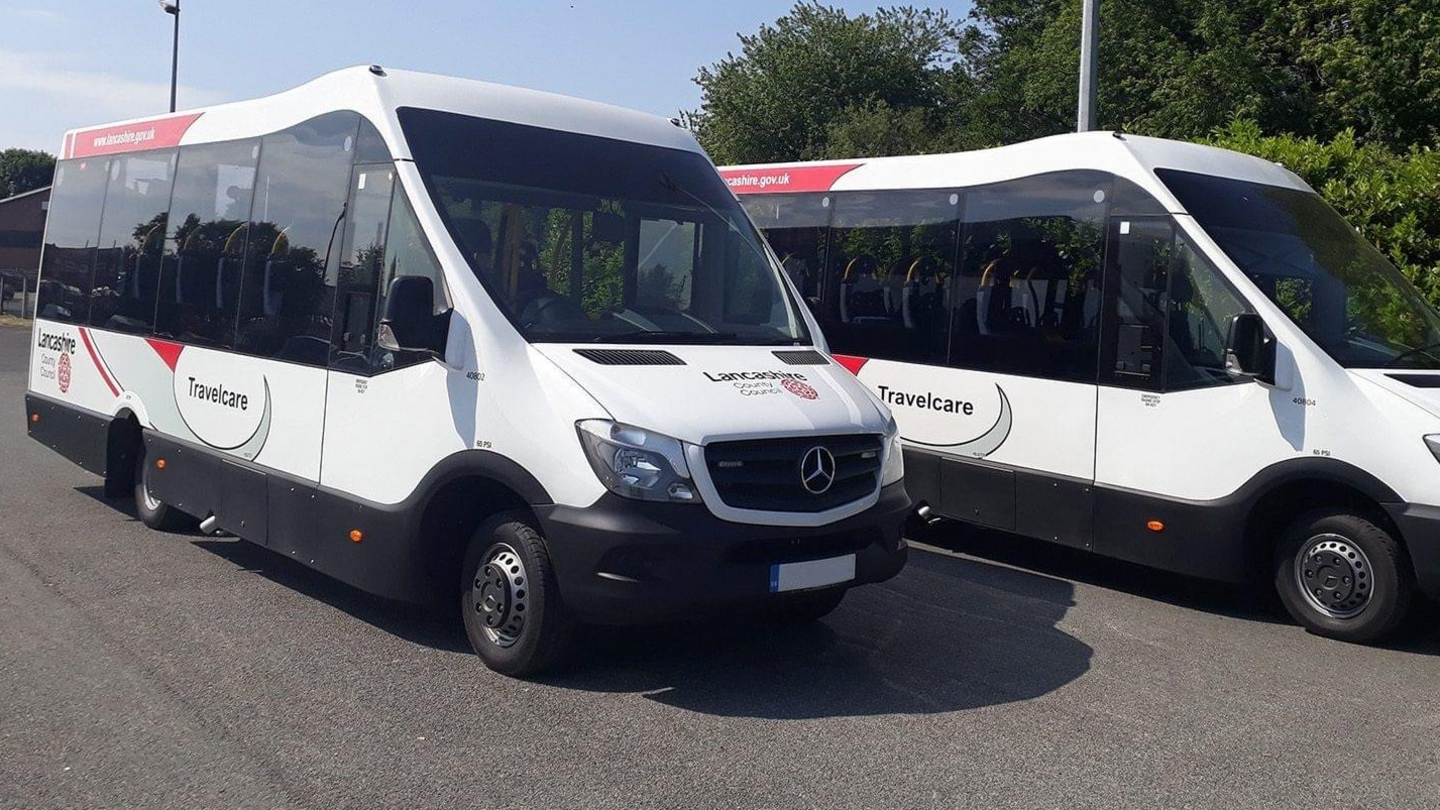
<point x="805" y="474"/>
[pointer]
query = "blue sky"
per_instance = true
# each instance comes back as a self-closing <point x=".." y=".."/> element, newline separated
<point x="67" y="63"/>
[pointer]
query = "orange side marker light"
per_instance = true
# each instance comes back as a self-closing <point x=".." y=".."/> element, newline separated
<point x="34" y="417"/>
<point x="160" y="464"/>
<point x="1155" y="526"/>
<point x="356" y="535"/>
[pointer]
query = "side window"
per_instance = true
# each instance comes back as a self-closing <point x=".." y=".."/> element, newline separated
<point x="291" y="257"/>
<point x="797" y="226"/>
<point x="200" y="272"/>
<point x="71" y="234"/>
<point x="891" y="261"/>
<point x="1168" y="309"/>
<point x="1137" y="299"/>
<point x="407" y="253"/>
<point x="361" y="262"/>
<point x="1027" y="299"/>
<point x="132" y="241"/>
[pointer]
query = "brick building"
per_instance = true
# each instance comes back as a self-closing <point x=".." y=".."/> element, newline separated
<point x="22" y="225"/>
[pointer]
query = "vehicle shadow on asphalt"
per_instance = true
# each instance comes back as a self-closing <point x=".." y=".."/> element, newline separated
<point x="1249" y="602"/>
<point x="947" y="634"/>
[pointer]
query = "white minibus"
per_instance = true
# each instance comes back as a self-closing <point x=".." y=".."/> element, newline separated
<point x="1163" y="352"/>
<point x="443" y="339"/>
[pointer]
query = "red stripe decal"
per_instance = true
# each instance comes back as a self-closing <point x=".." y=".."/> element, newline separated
<point x="169" y="352"/>
<point x="786" y="178"/>
<point x="95" y="358"/>
<point x="156" y="133"/>
<point x="851" y="363"/>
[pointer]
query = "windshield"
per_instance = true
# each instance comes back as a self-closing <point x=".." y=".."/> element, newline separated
<point x="1341" y="291"/>
<point x="586" y="239"/>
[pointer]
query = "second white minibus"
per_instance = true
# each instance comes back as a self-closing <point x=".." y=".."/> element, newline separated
<point x="1158" y="351"/>
<point x="443" y="339"/>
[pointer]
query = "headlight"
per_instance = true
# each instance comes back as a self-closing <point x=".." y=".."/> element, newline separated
<point x="637" y="463"/>
<point x="894" y="456"/>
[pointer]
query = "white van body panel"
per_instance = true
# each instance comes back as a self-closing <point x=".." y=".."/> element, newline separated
<point x="1179" y="452"/>
<point x="493" y="390"/>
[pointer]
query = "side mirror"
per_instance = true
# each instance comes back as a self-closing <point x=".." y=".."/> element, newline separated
<point x="1250" y="349"/>
<point x="408" y="324"/>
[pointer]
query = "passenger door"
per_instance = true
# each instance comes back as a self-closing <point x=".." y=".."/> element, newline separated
<point x="388" y="415"/>
<point x="1171" y="423"/>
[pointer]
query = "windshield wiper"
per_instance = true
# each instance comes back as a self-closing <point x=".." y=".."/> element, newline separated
<point x="662" y="336"/>
<point x="1426" y="349"/>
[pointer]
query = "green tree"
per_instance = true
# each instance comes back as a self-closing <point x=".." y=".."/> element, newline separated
<point x="819" y="80"/>
<point x="1179" y="68"/>
<point x="23" y="170"/>
<point x="1392" y="196"/>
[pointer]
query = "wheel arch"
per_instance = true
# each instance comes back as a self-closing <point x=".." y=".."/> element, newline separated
<point x="123" y="440"/>
<point x="1284" y="491"/>
<point x="458" y="495"/>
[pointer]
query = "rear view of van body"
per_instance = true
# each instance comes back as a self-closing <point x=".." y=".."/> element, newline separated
<point x="1158" y="351"/>
<point x="443" y="339"/>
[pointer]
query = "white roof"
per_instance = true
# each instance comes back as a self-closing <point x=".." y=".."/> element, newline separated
<point x="1133" y="157"/>
<point x="377" y="96"/>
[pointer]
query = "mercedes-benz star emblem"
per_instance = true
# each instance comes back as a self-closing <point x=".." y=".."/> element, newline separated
<point x="817" y="470"/>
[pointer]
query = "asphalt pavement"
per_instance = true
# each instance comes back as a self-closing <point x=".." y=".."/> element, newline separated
<point x="149" y="670"/>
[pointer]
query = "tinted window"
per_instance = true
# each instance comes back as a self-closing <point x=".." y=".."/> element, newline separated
<point x="287" y="290"/>
<point x="407" y="253"/>
<point x="369" y="145"/>
<point x="892" y="259"/>
<point x="583" y="238"/>
<point x="796" y="226"/>
<point x="71" y="233"/>
<point x="1332" y="283"/>
<point x="1168" y="309"/>
<point x="1027" y="296"/>
<point x="200" y="279"/>
<point x="132" y="241"/>
<point x="361" y="262"/>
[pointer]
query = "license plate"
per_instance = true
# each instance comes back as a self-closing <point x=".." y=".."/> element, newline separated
<point x="811" y="574"/>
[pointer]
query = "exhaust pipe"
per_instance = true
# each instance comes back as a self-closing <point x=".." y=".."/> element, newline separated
<point x="207" y="526"/>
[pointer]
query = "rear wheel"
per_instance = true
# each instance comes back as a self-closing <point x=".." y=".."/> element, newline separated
<point x="1343" y="576"/>
<point x="510" y="598"/>
<point x="152" y="511"/>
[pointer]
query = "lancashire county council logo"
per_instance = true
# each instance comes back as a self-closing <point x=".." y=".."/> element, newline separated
<point x="62" y="372"/>
<point x="800" y="389"/>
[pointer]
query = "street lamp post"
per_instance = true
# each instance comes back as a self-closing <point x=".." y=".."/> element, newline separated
<point x="1089" y="41"/>
<point x="173" y="9"/>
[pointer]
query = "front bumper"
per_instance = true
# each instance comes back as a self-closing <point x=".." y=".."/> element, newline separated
<point x="622" y="561"/>
<point x="1420" y="528"/>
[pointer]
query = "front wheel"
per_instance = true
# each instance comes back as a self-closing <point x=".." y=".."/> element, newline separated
<point x="1344" y="577"/>
<point x="510" y="599"/>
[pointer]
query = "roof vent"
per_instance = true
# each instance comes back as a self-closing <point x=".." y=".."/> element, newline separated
<point x="630" y="357"/>
<point x="377" y="70"/>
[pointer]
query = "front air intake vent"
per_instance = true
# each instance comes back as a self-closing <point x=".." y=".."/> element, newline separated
<point x="1418" y="380"/>
<point x="772" y="474"/>
<point x="809" y="357"/>
<point x="630" y="357"/>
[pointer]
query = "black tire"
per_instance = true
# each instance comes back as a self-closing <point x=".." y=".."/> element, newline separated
<point x="152" y="511"/>
<point x="1360" y="584"/>
<point x="510" y="599"/>
<point x="803" y="608"/>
